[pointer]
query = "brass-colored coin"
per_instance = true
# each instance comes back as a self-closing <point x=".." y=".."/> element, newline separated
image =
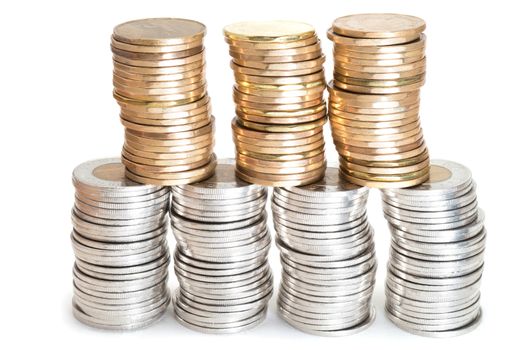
<point x="381" y="150"/>
<point x="249" y="61"/>
<point x="278" y="149"/>
<point x="239" y="129"/>
<point x="387" y="178"/>
<point x="183" y="98"/>
<point x="375" y="138"/>
<point x="159" y="107"/>
<point x="381" y="69"/>
<point x="238" y="95"/>
<point x="393" y="163"/>
<point x="259" y="163"/>
<point x="345" y="59"/>
<point x="351" y="123"/>
<point x="168" y="156"/>
<point x="378" y="76"/>
<point x="293" y="66"/>
<point x="405" y="47"/>
<point x="168" y="149"/>
<point x="156" y="49"/>
<point x="268" y="31"/>
<point x="159" y="31"/>
<point x="199" y="78"/>
<point x="345" y="152"/>
<point x="271" y="45"/>
<point x="158" y="91"/>
<point x="292" y="128"/>
<point x="205" y="130"/>
<point x="347" y="140"/>
<point x="199" y="57"/>
<point x="165" y="162"/>
<point x="281" y="106"/>
<point x="309" y="49"/>
<point x="281" y="157"/>
<point x="376" y="105"/>
<point x="192" y="176"/>
<point x="159" y="77"/>
<point x="279" y="177"/>
<point x="293" y="80"/>
<point x="380" y="90"/>
<point x="383" y="171"/>
<point x="120" y="67"/>
<point x="341" y="80"/>
<point x="318" y="89"/>
<point x="372" y="118"/>
<point x="280" y="120"/>
<point x="162" y="142"/>
<point x="278" y="143"/>
<point x="283" y="114"/>
<point x="396" y="130"/>
<point x="146" y="169"/>
<point x="167" y="122"/>
<point x="348" y="41"/>
<point x="346" y="95"/>
<point x="273" y="73"/>
<point x="378" y="25"/>
<point x="292" y="183"/>
<point x="383" y="185"/>
<point x="321" y="83"/>
<point x="167" y="116"/>
<point x="373" y="111"/>
<point x="287" y="170"/>
<point x="165" y="129"/>
<point x="350" y="53"/>
<point x="141" y="171"/>
<point x="157" y="56"/>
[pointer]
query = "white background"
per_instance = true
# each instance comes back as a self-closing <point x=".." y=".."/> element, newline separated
<point x="57" y="111"/>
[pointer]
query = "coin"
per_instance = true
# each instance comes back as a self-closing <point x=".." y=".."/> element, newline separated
<point x="269" y="31"/>
<point x="378" y="25"/>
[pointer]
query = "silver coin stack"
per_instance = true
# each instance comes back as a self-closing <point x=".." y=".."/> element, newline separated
<point x="119" y="240"/>
<point x="221" y="263"/>
<point x="327" y="254"/>
<point x="436" y="258"/>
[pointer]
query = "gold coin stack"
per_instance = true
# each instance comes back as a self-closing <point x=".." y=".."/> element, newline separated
<point x="379" y="67"/>
<point x="159" y="83"/>
<point x="280" y="109"/>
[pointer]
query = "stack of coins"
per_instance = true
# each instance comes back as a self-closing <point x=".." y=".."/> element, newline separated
<point x="379" y="67"/>
<point x="436" y="260"/>
<point x="119" y="241"/>
<point x="159" y="83"/>
<point x="221" y="255"/>
<point x="327" y="254"/>
<point x="280" y="109"/>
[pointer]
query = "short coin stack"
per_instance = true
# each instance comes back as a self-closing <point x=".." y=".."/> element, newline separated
<point x="221" y="255"/>
<point x="159" y="83"/>
<point x="119" y="241"/>
<point x="327" y="254"/>
<point x="436" y="260"/>
<point x="280" y="109"/>
<point x="379" y="67"/>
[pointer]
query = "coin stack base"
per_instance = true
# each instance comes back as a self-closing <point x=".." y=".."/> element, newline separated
<point x="280" y="109"/>
<point x="221" y="255"/>
<point x="159" y="83"/>
<point x="121" y="254"/>
<point x="374" y="99"/>
<point x="327" y="254"/>
<point x="437" y="253"/>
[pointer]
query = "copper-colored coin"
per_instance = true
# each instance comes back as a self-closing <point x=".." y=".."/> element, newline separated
<point x="168" y="149"/>
<point x="251" y="61"/>
<point x="380" y="90"/>
<point x="165" y="129"/>
<point x="238" y="95"/>
<point x="377" y="138"/>
<point x="283" y="170"/>
<point x="345" y="59"/>
<point x="347" y="140"/>
<point x="373" y="118"/>
<point x="375" y="105"/>
<point x="316" y="159"/>
<point x="345" y="152"/>
<point x="145" y="169"/>
<point x="268" y="31"/>
<point x="293" y="80"/>
<point x="193" y="176"/>
<point x="346" y="95"/>
<point x="281" y="157"/>
<point x="158" y="91"/>
<point x="280" y="120"/>
<point x="283" y="114"/>
<point x="382" y="185"/>
<point x="183" y="98"/>
<point x="200" y="77"/>
<point x="378" y="76"/>
<point x="278" y="92"/>
<point x="281" y="87"/>
<point x="159" y="77"/>
<point x="381" y="150"/>
<point x="378" y="25"/>
<point x="277" y="149"/>
<point x="167" y="116"/>
<point x="373" y="125"/>
<point x="316" y="63"/>
<point x="280" y="106"/>
<point x="353" y="131"/>
<point x="381" y="69"/>
<point x="271" y="45"/>
<point x="350" y="53"/>
<point x="176" y="62"/>
<point x="405" y="47"/>
<point x="164" y="162"/>
<point x="167" y="122"/>
<point x="120" y="67"/>
<point x="383" y="171"/>
<point x="278" y="143"/>
<point x="273" y="73"/>
<point x="205" y="130"/>
<point x="159" y="107"/>
<point x="162" y="142"/>
<point x="239" y="129"/>
<point x="387" y="177"/>
<point x="168" y="156"/>
<point x="374" y="111"/>
<point x="392" y="163"/>
<point x="309" y="49"/>
<point x="292" y="128"/>
<point x="343" y="80"/>
<point x="142" y="171"/>
<point x="159" y="31"/>
<point x="348" y="41"/>
<point x="156" y="49"/>
<point x="157" y="56"/>
<point x="279" y="177"/>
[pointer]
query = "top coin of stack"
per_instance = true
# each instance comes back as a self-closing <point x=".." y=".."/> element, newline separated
<point x="159" y="83"/>
<point x="374" y="99"/>
<point x="280" y="110"/>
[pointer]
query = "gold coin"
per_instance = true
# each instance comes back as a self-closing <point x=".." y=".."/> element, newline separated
<point x="165" y="129"/>
<point x="356" y="103"/>
<point x="281" y="157"/>
<point x="132" y="48"/>
<point x="120" y="67"/>
<point x="159" y="77"/>
<point x="293" y="80"/>
<point x="399" y="48"/>
<point x="351" y="53"/>
<point x="351" y="123"/>
<point x="383" y="171"/>
<point x="193" y="176"/>
<point x="309" y="49"/>
<point x="288" y="66"/>
<point x="281" y="106"/>
<point x="379" y="157"/>
<point x="277" y="149"/>
<point x="168" y="156"/>
<point x="378" y="76"/>
<point x="343" y="80"/>
<point x="262" y="182"/>
<point x="387" y="177"/>
<point x="159" y="31"/>
<point x="143" y="171"/>
<point x="167" y="116"/>
<point x="268" y="31"/>
<point x="316" y="94"/>
<point x="280" y="177"/>
<point x="157" y="56"/>
<point x="379" y="90"/>
<point x="143" y="168"/>
<point x="159" y="91"/>
<point x="283" y="114"/>
<point x="345" y="59"/>
<point x="377" y="138"/>
<point x="353" y="131"/>
<point x="292" y="128"/>
<point x="393" y="163"/>
<point x="167" y="122"/>
<point x="280" y="120"/>
<point x="380" y="150"/>
<point x="200" y="77"/>
<point x="239" y="129"/>
<point x="374" y="111"/>
<point x="164" y="162"/>
<point x="378" y="25"/>
<point x="283" y="170"/>
<point x="239" y="58"/>
<point x="280" y="164"/>
<point x="384" y="185"/>
<point x="183" y="98"/>
<point x="159" y="107"/>
<point x="372" y="118"/>
<point x="274" y="93"/>
<point x="271" y="45"/>
<point x="346" y="140"/>
<point x="162" y="142"/>
<point x="199" y="57"/>
<point x="346" y="95"/>
<point x="381" y="69"/>
<point x="278" y="143"/>
<point x="273" y="73"/>
<point x="349" y="41"/>
<point x="321" y="83"/>
<point x="169" y="149"/>
<point x="205" y="130"/>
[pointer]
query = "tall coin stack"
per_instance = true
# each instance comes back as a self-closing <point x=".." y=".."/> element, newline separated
<point x="280" y="109"/>
<point x="327" y="254"/>
<point x="379" y="67"/>
<point x="119" y="241"/>
<point x="221" y="255"/>
<point x="159" y="83"/>
<point x="436" y="259"/>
